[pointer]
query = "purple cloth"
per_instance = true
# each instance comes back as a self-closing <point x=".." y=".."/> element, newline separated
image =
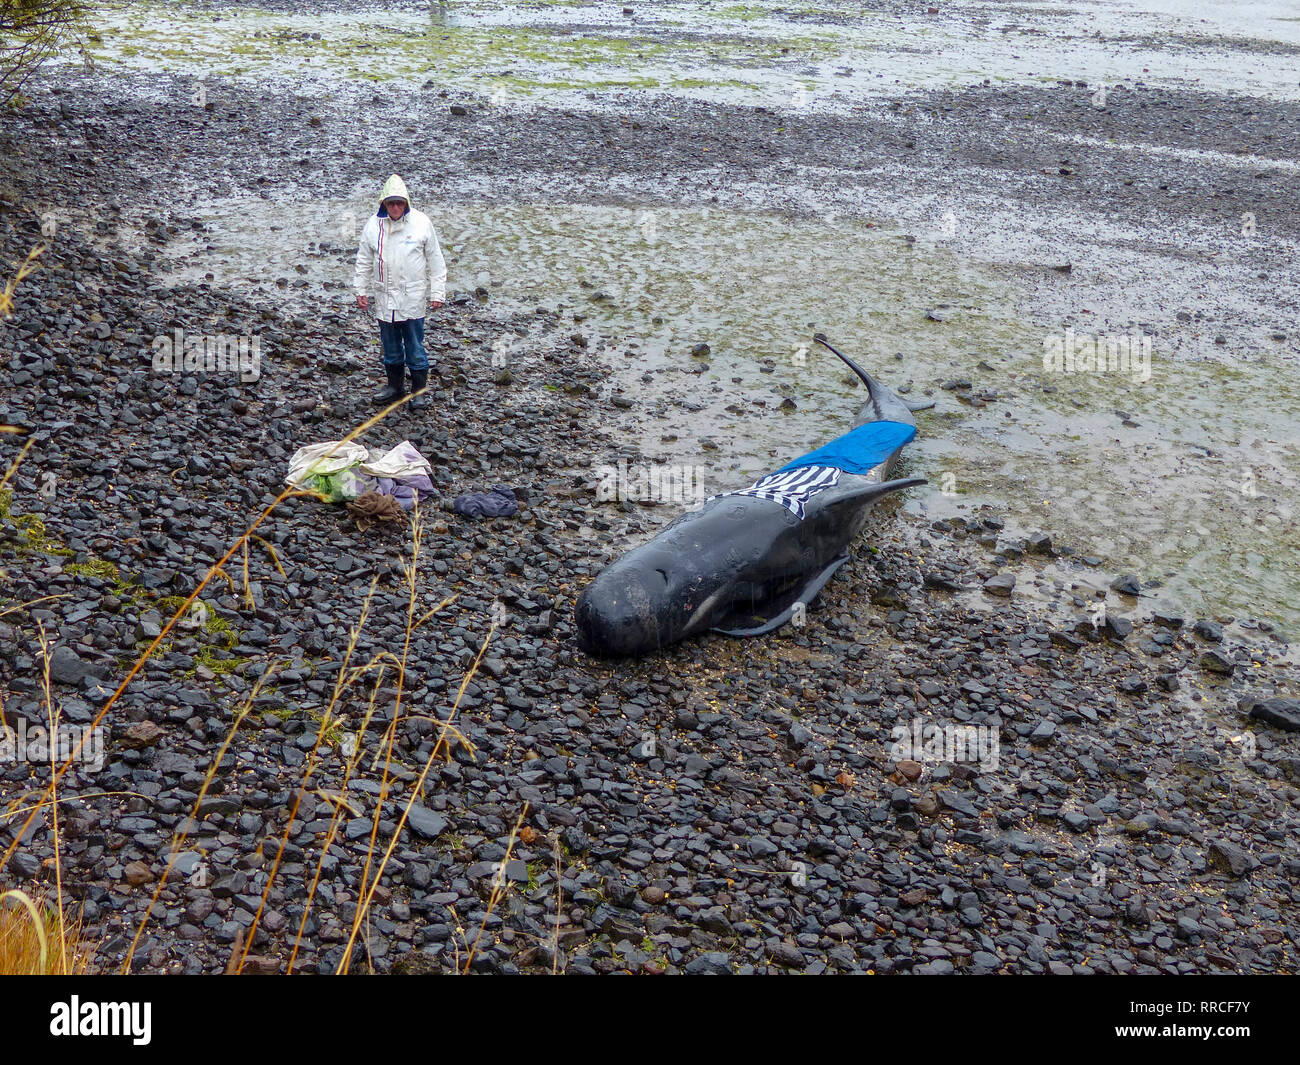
<point x="410" y="488"/>
<point x="498" y="503"/>
<point x="406" y="490"/>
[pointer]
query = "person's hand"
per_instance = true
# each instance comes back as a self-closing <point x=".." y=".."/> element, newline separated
<point x="435" y="304"/>
<point x="362" y="302"/>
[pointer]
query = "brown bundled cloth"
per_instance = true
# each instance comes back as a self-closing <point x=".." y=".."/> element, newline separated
<point x="370" y="508"/>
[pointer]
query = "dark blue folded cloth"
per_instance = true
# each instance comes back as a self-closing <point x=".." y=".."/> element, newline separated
<point x="498" y="503"/>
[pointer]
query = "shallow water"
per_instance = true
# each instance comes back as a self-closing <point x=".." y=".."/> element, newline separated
<point x="1198" y="494"/>
<point x="832" y="56"/>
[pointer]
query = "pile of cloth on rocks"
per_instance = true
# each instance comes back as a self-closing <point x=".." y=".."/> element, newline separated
<point x="376" y="485"/>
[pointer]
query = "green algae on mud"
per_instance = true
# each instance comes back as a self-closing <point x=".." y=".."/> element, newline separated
<point x="252" y="42"/>
<point x="737" y="52"/>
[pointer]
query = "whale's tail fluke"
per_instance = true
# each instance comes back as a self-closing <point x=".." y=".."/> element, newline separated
<point x="887" y="404"/>
<point x="867" y="379"/>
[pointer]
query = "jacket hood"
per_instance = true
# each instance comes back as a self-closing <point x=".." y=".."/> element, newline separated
<point x="394" y="188"/>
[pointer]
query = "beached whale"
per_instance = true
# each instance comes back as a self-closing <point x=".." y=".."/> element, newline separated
<point x="746" y="562"/>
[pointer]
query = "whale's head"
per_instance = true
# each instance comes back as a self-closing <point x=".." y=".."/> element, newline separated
<point x="646" y="600"/>
<point x="681" y="582"/>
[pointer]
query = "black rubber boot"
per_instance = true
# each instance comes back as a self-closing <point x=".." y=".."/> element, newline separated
<point x="419" y="379"/>
<point x="396" y="389"/>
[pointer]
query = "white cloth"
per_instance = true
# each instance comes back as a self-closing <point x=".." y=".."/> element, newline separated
<point x="323" y="459"/>
<point x="402" y="461"/>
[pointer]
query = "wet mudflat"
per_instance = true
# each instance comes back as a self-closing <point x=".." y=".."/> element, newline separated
<point x="1131" y="816"/>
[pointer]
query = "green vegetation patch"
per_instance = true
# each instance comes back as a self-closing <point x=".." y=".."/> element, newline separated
<point x="27" y="532"/>
<point x="256" y="43"/>
<point x="93" y="567"/>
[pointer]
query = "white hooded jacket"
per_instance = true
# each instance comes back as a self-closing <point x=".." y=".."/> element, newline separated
<point x="399" y="267"/>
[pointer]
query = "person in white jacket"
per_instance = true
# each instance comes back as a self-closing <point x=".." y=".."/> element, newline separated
<point x="401" y="271"/>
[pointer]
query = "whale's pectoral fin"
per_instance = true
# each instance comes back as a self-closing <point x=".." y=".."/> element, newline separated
<point x="914" y="405"/>
<point x="773" y="613"/>
<point x="871" y="492"/>
<point x="779" y="606"/>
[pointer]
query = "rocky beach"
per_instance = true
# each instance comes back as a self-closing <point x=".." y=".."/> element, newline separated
<point x="1008" y="738"/>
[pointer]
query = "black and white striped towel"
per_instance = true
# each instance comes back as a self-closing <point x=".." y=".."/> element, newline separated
<point x="792" y="488"/>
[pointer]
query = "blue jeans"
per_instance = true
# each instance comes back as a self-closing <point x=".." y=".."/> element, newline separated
<point x="403" y="342"/>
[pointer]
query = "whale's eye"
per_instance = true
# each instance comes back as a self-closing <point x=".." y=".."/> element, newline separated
<point x="664" y="575"/>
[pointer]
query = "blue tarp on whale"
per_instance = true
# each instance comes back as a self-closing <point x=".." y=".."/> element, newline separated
<point x="858" y="450"/>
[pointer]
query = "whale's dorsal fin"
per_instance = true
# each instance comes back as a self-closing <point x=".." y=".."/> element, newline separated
<point x="781" y="608"/>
